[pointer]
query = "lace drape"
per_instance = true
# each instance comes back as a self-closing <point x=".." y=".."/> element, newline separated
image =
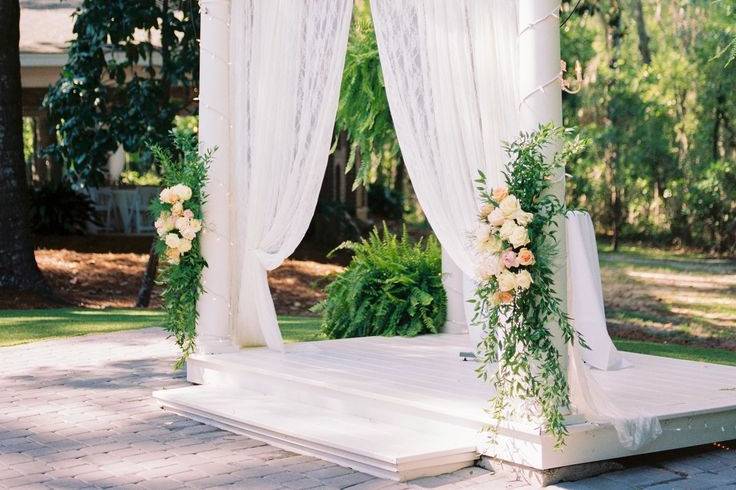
<point x="285" y="82"/>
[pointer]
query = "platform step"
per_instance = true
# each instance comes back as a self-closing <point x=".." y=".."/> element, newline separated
<point x="379" y="448"/>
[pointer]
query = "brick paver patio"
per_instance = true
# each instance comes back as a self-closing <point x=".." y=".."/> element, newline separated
<point x="78" y="412"/>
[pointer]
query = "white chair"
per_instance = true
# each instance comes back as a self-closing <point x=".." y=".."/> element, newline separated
<point x="141" y="216"/>
<point x="102" y="202"/>
<point x="125" y="204"/>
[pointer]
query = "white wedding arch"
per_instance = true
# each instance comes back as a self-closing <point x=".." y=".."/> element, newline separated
<point x="461" y="77"/>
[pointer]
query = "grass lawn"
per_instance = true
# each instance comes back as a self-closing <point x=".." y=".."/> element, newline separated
<point x="22" y="326"/>
<point x="672" y="298"/>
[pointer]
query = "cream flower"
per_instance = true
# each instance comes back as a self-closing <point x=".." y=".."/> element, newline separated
<point x="184" y="245"/>
<point x="172" y="240"/>
<point x="510" y="206"/>
<point x="523" y="218"/>
<point x="519" y="237"/>
<point x="506" y="281"/>
<point x="188" y="233"/>
<point x="195" y="225"/>
<point x="485" y="210"/>
<point x="526" y="257"/>
<point x="499" y="193"/>
<point x="163" y="224"/>
<point x="167" y="197"/>
<point x="173" y="255"/>
<point x="183" y="192"/>
<point x="188" y="213"/>
<point x="496" y="218"/>
<point x="177" y="209"/>
<point x="489" y="267"/>
<point x="508" y="227"/>
<point x="523" y="279"/>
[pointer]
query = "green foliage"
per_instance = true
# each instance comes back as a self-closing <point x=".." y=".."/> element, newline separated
<point x="363" y="110"/>
<point x="391" y="287"/>
<point x="183" y="280"/>
<point x="658" y="104"/>
<point x="517" y="334"/>
<point x="117" y="85"/>
<point x="60" y="210"/>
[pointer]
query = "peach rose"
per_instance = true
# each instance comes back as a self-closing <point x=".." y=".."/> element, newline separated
<point x="502" y="297"/>
<point x="173" y="255"/>
<point x="499" y="193"/>
<point x="525" y="257"/>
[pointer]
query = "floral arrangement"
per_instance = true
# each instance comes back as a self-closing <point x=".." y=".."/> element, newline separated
<point x="515" y="302"/>
<point x="178" y="226"/>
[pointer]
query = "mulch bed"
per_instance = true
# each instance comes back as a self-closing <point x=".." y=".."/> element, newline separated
<point x="101" y="272"/>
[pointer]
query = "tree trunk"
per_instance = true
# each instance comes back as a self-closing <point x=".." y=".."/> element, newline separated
<point x="18" y="268"/>
<point x="149" y="279"/>
<point x="641" y="28"/>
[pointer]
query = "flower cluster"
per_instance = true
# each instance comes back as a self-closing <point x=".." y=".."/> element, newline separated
<point x="177" y="226"/>
<point x="500" y="240"/>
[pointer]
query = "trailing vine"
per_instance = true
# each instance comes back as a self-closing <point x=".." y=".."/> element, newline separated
<point x="515" y="302"/>
<point x="178" y="226"/>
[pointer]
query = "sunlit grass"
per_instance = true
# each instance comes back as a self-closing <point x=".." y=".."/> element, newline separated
<point x="717" y="356"/>
<point x="22" y="326"/>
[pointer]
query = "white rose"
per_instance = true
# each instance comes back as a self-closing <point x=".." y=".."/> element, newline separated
<point x="510" y="206"/>
<point x="508" y="227"/>
<point x="488" y="267"/>
<point x="519" y="237"/>
<point x="523" y="218"/>
<point x="496" y="218"/>
<point x="184" y="245"/>
<point x="183" y="192"/>
<point x="172" y="240"/>
<point x="506" y="281"/>
<point x="523" y="279"/>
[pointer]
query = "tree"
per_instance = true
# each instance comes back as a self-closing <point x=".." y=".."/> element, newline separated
<point x="132" y="68"/>
<point x="18" y="268"/>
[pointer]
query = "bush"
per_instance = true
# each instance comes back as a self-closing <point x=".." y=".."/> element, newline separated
<point x="60" y="210"/>
<point x="391" y="287"/>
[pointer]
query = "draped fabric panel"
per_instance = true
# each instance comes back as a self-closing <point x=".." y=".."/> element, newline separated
<point x="451" y="80"/>
<point x="451" y="75"/>
<point x="288" y="58"/>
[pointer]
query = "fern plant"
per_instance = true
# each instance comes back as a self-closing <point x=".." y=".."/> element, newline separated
<point x="391" y="287"/>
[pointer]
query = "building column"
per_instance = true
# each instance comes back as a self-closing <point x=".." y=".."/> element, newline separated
<point x="540" y="90"/>
<point x="214" y="305"/>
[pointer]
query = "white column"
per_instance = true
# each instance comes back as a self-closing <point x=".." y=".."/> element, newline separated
<point x="541" y="102"/>
<point x="213" y="324"/>
<point x="452" y="280"/>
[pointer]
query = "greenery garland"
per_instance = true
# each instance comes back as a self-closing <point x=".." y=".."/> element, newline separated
<point x="515" y="302"/>
<point x="179" y="222"/>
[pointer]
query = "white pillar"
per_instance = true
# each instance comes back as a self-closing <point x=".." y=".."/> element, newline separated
<point x="541" y="102"/>
<point x="452" y="280"/>
<point x="213" y="308"/>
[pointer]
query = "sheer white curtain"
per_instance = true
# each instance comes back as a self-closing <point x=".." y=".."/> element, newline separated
<point x="450" y="69"/>
<point x="288" y="58"/>
<point x="450" y="74"/>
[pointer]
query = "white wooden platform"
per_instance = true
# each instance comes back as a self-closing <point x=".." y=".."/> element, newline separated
<point x="402" y="408"/>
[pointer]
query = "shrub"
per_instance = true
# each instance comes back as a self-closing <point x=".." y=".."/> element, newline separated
<point x="391" y="287"/>
<point x="60" y="210"/>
